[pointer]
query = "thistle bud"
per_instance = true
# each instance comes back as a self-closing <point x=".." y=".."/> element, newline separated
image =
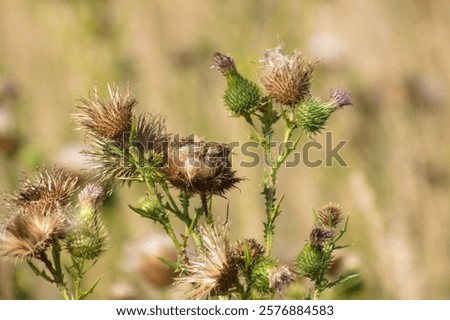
<point x="260" y="276"/>
<point x="87" y="241"/>
<point x="319" y="236"/>
<point x="242" y="96"/>
<point x="313" y="114"/>
<point x="313" y="262"/>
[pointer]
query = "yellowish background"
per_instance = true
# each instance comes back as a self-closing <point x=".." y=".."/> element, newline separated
<point x="392" y="55"/>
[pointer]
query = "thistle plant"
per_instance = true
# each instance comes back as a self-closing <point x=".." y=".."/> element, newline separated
<point x="44" y="223"/>
<point x="128" y="148"/>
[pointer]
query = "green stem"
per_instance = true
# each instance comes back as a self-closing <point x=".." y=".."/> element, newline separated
<point x="208" y="216"/>
<point x="55" y="271"/>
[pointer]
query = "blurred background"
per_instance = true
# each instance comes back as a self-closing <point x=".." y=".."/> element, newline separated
<point x="393" y="56"/>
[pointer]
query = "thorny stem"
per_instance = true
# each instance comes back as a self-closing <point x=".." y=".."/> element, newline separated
<point x="208" y="217"/>
<point x="56" y="272"/>
<point x="272" y="165"/>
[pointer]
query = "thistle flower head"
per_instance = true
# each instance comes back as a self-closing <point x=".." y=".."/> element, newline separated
<point x="214" y="271"/>
<point x="106" y="120"/>
<point x="200" y="167"/>
<point x="280" y="277"/>
<point x="330" y="215"/>
<point x="223" y="63"/>
<point x="48" y="191"/>
<point x="27" y="235"/>
<point x="92" y="195"/>
<point x="340" y="98"/>
<point x="248" y="248"/>
<point x="122" y="142"/>
<point x="318" y="236"/>
<point x="286" y="78"/>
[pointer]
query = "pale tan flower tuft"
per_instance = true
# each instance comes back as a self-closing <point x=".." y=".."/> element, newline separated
<point x="287" y="79"/>
<point x="214" y="271"/>
<point x="48" y="191"/>
<point x="280" y="277"/>
<point x="27" y="236"/>
<point x="106" y="120"/>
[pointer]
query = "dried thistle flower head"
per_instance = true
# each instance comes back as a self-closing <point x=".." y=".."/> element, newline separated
<point x="214" y="271"/>
<point x="318" y="236"/>
<point x="280" y="277"/>
<point x="106" y="120"/>
<point x="286" y="78"/>
<point x="224" y="63"/>
<point x="48" y="191"/>
<point x="122" y="142"/>
<point x="340" y="98"/>
<point x="28" y="235"/>
<point x="330" y="215"/>
<point x="121" y="160"/>
<point x="248" y="247"/>
<point x="200" y="167"/>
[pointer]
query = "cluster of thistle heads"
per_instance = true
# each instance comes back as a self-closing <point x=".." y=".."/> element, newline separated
<point x="42" y="214"/>
<point x="130" y="148"/>
<point x="221" y="267"/>
<point x="287" y="81"/>
<point x="127" y="147"/>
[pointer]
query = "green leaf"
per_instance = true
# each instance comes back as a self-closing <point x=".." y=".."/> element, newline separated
<point x="173" y="265"/>
<point x="90" y="290"/>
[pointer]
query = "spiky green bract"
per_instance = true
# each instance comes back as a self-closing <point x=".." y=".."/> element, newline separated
<point x="313" y="262"/>
<point x="313" y="114"/>
<point x="242" y="96"/>
<point x="87" y="241"/>
<point x="259" y="278"/>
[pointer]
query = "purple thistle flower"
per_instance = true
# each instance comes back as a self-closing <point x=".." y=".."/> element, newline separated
<point x="340" y="98"/>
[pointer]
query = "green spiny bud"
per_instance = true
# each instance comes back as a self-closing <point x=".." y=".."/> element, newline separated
<point x="242" y="96"/>
<point x="152" y="206"/>
<point x="87" y="241"/>
<point x="313" y="262"/>
<point x="260" y="275"/>
<point x="313" y="114"/>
